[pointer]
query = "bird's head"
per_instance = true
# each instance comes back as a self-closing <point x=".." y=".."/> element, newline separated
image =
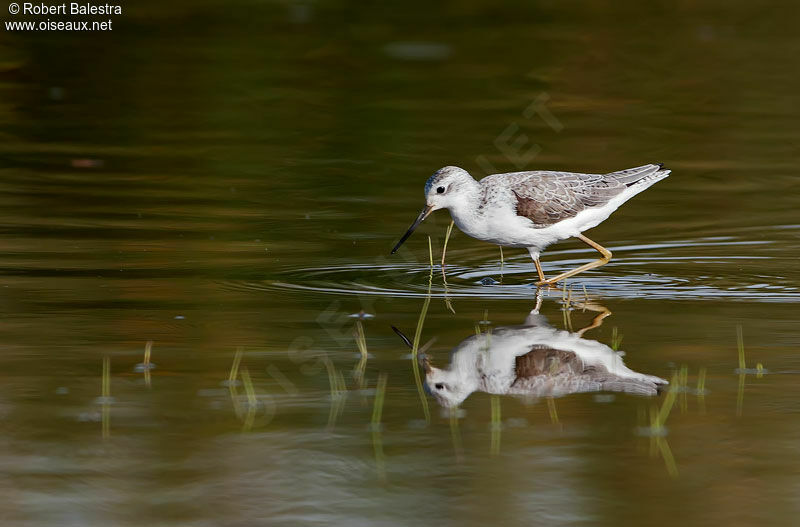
<point x="446" y="186"/>
<point x="444" y="189"/>
<point x="446" y="387"/>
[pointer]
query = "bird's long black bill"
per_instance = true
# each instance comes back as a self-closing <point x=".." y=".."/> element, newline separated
<point x="403" y="337"/>
<point x="422" y="215"/>
<point x="422" y="355"/>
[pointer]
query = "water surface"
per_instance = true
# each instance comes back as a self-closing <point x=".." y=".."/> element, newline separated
<point x="223" y="178"/>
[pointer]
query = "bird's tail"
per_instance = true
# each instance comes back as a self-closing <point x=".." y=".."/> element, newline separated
<point x="639" y="385"/>
<point x="640" y="175"/>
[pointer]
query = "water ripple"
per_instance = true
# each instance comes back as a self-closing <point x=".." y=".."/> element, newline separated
<point x="625" y="278"/>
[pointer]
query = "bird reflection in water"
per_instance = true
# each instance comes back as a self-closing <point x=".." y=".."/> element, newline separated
<point x="534" y="359"/>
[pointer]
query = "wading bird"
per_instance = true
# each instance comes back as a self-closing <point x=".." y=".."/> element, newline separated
<point x="534" y="360"/>
<point x="534" y="209"/>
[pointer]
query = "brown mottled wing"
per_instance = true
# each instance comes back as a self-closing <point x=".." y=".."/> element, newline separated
<point x="569" y="374"/>
<point x="543" y="360"/>
<point x="549" y="197"/>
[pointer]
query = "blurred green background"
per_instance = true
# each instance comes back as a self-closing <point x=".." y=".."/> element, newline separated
<point x="213" y="176"/>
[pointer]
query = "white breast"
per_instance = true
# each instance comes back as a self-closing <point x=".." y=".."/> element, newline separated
<point x="501" y="225"/>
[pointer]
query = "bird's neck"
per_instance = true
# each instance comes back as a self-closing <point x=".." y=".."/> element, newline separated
<point x="467" y="211"/>
<point x="468" y="203"/>
<point x="464" y="379"/>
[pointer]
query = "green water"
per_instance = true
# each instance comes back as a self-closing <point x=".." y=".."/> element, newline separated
<point x="213" y="178"/>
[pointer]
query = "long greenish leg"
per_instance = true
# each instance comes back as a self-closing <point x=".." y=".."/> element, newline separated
<point x="539" y="270"/>
<point x="606" y="256"/>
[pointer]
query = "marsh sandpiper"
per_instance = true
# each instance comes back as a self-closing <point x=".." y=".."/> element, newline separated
<point x="534" y="209"/>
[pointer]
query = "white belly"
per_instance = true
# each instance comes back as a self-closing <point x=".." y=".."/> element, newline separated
<point x="504" y="227"/>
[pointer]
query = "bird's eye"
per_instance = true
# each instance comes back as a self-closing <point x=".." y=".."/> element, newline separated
<point x="439" y="386"/>
<point x="440" y="190"/>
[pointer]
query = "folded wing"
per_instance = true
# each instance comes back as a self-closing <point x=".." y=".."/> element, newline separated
<point x="546" y="198"/>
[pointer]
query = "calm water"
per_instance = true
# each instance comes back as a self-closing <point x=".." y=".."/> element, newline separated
<point x="214" y="179"/>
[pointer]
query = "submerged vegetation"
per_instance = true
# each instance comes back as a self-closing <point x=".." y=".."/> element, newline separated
<point x="106" y="398"/>
<point x="415" y="344"/>
<point x="377" y="412"/>
<point x="248" y="405"/>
